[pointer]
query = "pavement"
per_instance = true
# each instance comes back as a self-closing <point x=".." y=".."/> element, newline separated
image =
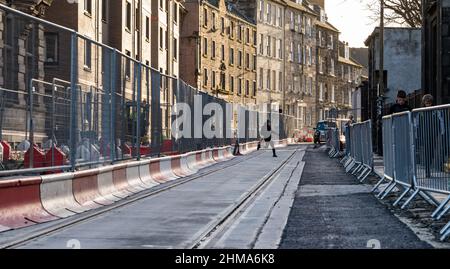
<point x="175" y="218"/>
<point x="333" y="211"/>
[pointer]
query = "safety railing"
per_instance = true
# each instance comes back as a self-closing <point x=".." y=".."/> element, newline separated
<point x="416" y="155"/>
<point x="68" y="102"/>
<point x="359" y="161"/>
<point x="333" y="142"/>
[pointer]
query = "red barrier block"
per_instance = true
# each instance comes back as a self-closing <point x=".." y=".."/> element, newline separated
<point x="126" y="149"/>
<point x="21" y="203"/>
<point x="6" y="150"/>
<point x="59" y="158"/>
<point x="38" y="157"/>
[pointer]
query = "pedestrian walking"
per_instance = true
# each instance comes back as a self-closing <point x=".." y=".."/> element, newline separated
<point x="236" y="151"/>
<point x="400" y="105"/>
<point x="266" y="136"/>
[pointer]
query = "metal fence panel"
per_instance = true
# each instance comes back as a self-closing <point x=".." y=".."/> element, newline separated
<point x="432" y="152"/>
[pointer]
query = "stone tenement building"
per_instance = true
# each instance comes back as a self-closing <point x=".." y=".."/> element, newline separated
<point x="219" y="51"/>
<point x="165" y="56"/>
<point x="349" y="74"/>
<point x="300" y="65"/>
<point x="327" y="56"/>
<point x="270" y="21"/>
<point x="123" y="25"/>
<point x="22" y="57"/>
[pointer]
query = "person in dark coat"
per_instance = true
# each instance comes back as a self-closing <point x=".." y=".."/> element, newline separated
<point x="400" y="105"/>
<point x="266" y="135"/>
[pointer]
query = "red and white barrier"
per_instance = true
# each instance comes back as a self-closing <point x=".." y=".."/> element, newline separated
<point x="31" y="200"/>
<point x="106" y="186"/>
<point x="144" y="173"/>
<point x="133" y="177"/>
<point x="86" y="189"/>
<point x="20" y="203"/>
<point x="57" y="195"/>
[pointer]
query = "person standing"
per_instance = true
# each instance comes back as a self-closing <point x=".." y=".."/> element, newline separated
<point x="400" y="105"/>
<point x="427" y="100"/>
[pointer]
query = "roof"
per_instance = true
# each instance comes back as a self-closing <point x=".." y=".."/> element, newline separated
<point x="301" y="7"/>
<point x="376" y="30"/>
<point x="349" y="62"/>
<point x="232" y="9"/>
<point x="327" y="25"/>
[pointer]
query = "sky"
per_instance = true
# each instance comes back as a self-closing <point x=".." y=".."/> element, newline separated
<point x="352" y="19"/>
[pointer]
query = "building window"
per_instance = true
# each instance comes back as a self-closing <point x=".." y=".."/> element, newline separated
<point x="247" y="61"/>
<point x="292" y="21"/>
<point x="161" y="38"/>
<point x="280" y="81"/>
<point x="254" y="89"/>
<point x="175" y="13"/>
<point x="332" y="94"/>
<point x="280" y="55"/>
<point x="232" y="29"/>
<point x="213" y="26"/>
<point x="87" y="54"/>
<point x="105" y="11"/>
<point x="175" y="49"/>
<point x="254" y="63"/>
<point x="320" y="91"/>
<point x="261" y="44"/>
<point x="247" y="36"/>
<point x="291" y="52"/>
<point x="240" y="58"/>
<point x="205" y="77"/>
<point x="240" y="86"/>
<point x="222" y="26"/>
<point x="222" y="81"/>
<point x="247" y="87"/>
<point x="231" y="59"/>
<point x="231" y="83"/>
<point x="332" y="67"/>
<point x="280" y="22"/>
<point x="213" y="79"/>
<point x="261" y="10"/>
<point x="127" y="65"/>
<point x="213" y="49"/>
<point x="268" y="45"/>
<point x="205" y="46"/>
<point x="239" y="33"/>
<point x="222" y="53"/>
<point x="128" y="18"/>
<point x="51" y="48"/>
<point x="205" y="17"/>
<point x="88" y="6"/>
<point x="269" y="13"/>
<point x="147" y="28"/>
<point x="261" y="78"/>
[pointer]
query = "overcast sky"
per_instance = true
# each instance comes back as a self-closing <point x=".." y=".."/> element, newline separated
<point x="351" y="17"/>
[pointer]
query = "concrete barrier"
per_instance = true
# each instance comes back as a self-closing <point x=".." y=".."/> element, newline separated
<point x="86" y="189"/>
<point x="20" y="203"/>
<point x="133" y="177"/>
<point x="57" y="195"/>
<point x="30" y="200"/>
<point x="145" y="175"/>
<point x="119" y="174"/>
<point x="106" y="185"/>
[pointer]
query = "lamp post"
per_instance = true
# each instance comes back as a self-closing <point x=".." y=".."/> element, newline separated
<point x="380" y="101"/>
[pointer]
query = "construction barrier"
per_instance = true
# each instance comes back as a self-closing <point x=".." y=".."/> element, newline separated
<point x="359" y="161"/>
